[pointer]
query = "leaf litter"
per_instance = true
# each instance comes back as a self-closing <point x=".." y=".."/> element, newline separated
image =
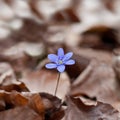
<point x="88" y="90"/>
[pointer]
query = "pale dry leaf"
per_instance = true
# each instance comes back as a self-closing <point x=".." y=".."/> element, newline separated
<point x="45" y="81"/>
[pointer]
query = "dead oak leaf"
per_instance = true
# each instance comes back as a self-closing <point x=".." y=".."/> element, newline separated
<point x="77" y="110"/>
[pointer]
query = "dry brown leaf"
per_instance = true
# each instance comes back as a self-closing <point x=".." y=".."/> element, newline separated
<point x="20" y="113"/>
<point x="45" y="81"/>
<point x="8" y="81"/>
<point x="77" y="110"/>
<point x="100" y="37"/>
<point x="14" y="101"/>
<point x="37" y="28"/>
<point x="7" y="75"/>
<point x="98" y="80"/>
<point x="53" y="107"/>
<point x="90" y="54"/>
<point x="81" y="63"/>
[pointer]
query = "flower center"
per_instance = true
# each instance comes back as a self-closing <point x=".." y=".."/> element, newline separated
<point x="60" y="62"/>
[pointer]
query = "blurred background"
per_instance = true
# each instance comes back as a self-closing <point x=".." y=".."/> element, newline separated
<point x="75" y="16"/>
<point x="31" y="29"/>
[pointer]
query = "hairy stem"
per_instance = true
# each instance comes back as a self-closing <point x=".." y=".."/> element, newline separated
<point x="57" y="83"/>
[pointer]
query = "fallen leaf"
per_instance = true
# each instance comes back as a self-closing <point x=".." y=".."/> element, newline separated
<point x="77" y="110"/>
<point x="8" y="80"/>
<point x="98" y="80"/>
<point x="20" y="113"/>
<point x="100" y="37"/>
<point x="53" y="107"/>
<point x="14" y="101"/>
<point x="45" y="81"/>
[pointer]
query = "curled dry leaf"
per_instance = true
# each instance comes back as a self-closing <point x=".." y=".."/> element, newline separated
<point x="83" y="57"/>
<point x="21" y="87"/>
<point x="77" y="110"/>
<point x="8" y="79"/>
<point x="36" y="103"/>
<point x="81" y="63"/>
<point x="7" y="75"/>
<point x="17" y="106"/>
<point x="53" y="107"/>
<point x="98" y="80"/>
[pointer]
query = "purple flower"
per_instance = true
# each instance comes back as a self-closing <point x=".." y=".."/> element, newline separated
<point x="60" y="60"/>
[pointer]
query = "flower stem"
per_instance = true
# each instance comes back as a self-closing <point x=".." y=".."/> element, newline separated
<point x="57" y="83"/>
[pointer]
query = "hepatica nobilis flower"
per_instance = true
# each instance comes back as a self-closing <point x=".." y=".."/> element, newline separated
<point x="60" y="60"/>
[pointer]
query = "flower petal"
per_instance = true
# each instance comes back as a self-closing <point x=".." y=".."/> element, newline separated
<point x="61" y="68"/>
<point x="70" y="62"/>
<point x="50" y="65"/>
<point x="67" y="56"/>
<point x="52" y="57"/>
<point x="60" y="52"/>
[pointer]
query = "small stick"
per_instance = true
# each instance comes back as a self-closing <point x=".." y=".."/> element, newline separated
<point x="57" y="83"/>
